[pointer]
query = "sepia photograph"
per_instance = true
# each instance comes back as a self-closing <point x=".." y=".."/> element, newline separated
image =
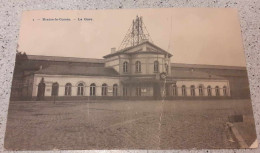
<point x="130" y="79"/>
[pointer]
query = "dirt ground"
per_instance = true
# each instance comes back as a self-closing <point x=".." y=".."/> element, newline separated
<point x="124" y="125"/>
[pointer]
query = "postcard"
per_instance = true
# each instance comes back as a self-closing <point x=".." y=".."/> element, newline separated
<point x="149" y="79"/>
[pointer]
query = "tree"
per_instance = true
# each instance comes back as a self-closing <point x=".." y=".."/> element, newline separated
<point x="20" y="59"/>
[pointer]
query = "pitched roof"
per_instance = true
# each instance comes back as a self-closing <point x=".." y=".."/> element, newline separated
<point x="102" y="61"/>
<point x="182" y="65"/>
<point x="184" y="74"/>
<point x="77" y="70"/>
<point x="66" y="59"/>
<point x="128" y="48"/>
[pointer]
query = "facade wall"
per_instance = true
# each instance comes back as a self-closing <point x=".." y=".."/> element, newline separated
<point x="27" y="86"/>
<point x="147" y="61"/>
<point x="237" y="77"/>
<point x="204" y="84"/>
<point x="17" y="84"/>
<point x="75" y="80"/>
<point x="113" y="62"/>
<point x="146" y="90"/>
<point x="124" y="58"/>
<point x="239" y="87"/>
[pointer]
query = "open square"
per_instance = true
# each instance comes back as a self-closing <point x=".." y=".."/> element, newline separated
<point x="107" y="124"/>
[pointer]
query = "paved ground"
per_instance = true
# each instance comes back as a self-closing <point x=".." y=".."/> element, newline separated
<point x="123" y="124"/>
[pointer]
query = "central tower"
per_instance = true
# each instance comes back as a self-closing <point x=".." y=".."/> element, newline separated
<point x="136" y="34"/>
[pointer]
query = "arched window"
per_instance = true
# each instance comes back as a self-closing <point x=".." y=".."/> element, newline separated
<point x="192" y="90"/>
<point x="174" y="90"/>
<point x="80" y="89"/>
<point x="68" y="89"/>
<point x="55" y="89"/>
<point x="156" y="66"/>
<point x="138" y="91"/>
<point x="209" y="90"/>
<point x="200" y="90"/>
<point x="104" y="89"/>
<point x="115" y="88"/>
<point x="217" y="91"/>
<point x="225" y="91"/>
<point x="183" y="90"/>
<point x="93" y="89"/>
<point x="125" y="66"/>
<point x="137" y="66"/>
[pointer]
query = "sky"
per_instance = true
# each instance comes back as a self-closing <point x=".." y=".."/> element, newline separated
<point x="193" y="35"/>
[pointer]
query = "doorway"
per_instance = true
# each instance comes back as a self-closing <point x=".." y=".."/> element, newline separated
<point x="41" y="91"/>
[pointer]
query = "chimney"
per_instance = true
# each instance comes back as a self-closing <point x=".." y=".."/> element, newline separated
<point x="113" y="50"/>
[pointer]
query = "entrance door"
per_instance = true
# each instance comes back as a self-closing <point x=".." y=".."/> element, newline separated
<point x="55" y="89"/>
<point x="41" y="91"/>
<point x="156" y="91"/>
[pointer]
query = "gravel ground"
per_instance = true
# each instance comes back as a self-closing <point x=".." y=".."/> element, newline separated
<point x="124" y="125"/>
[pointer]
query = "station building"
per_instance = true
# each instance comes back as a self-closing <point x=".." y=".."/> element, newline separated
<point x="142" y="70"/>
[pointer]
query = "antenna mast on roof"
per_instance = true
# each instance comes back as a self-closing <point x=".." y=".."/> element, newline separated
<point x="136" y="34"/>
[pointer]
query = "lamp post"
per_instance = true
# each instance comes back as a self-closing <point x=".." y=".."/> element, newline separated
<point x="54" y="91"/>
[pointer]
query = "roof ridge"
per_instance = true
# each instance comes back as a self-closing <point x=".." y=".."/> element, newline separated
<point x="66" y="57"/>
<point x="206" y="65"/>
<point x="77" y="70"/>
<point x="63" y="58"/>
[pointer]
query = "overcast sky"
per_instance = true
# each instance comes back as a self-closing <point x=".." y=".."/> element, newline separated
<point x="193" y="36"/>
